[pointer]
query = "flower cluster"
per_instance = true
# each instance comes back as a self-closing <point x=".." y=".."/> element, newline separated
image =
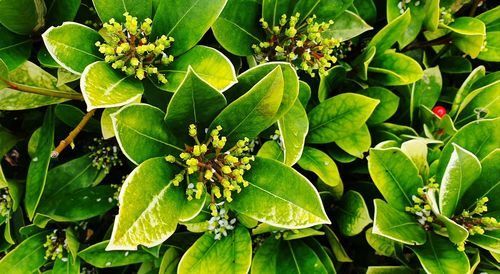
<point x="220" y="223"/>
<point x="104" y="156"/>
<point x="56" y="245"/>
<point x="474" y="221"/>
<point x="422" y="209"/>
<point x="300" y="43"/>
<point x="127" y="48"/>
<point x="219" y="172"/>
<point x="403" y="5"/>
<point x="5" y="202"/>
<point x="445" y="16"/>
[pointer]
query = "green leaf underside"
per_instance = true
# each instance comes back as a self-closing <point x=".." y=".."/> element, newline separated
<point x="279" y="196"/>
<point x="293" y="128"/>
<point x="103" y="87"/>
<point x="352" y="214"/>
<point x="150" y="206"/>
<point x="321" y="164"/>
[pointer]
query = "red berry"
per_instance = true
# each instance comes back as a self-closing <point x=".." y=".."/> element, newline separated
<point x="439" y="111"/>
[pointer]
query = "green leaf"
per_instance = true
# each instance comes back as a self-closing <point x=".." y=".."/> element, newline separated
<point x="279" y="196"/>
<point x="388" y="35"/>
<point x="304" y="93"/>
<point x="22" y="16"/>
<point x="278" y="256"/>
<point x="395" y="69"/>
<point x="468" y="34"/>
<point x="142" y="133"/>
<point x="338" y="117"/>
<point x="397" y="225"/>
<point x="71" y="116"/>
<point x="211" y="65"/>
<point x="388" y="105"/>
<point x="484" y="99"/>
<point x="382" y="245"/>
<point x="14" y="49"/>
<point x="253" y="112"/>
<point x="321" y="164"/>
<point x="107" y="123"/>
<point x="107" y="9"/>
<point x="301" y="233"/>
<point x="346" y="26"/>
<point x="462" y="170"/>
<point x="332" y="80"/>
<point x="64" y="77"/>
<point x="456" y="233"/>
<point x="426" y="91"/>
<point x="338" y="250"/>
<point x="45" y="59"/>
<point x="231" y="254"/>
<point x="352" y="214"/>
<point x="491" y="52"/>
<point x="490" y="18"/>
<point x="72" y="46"/>
<point x="59" y="11"/>
<point x="31" y="76"/>
<point x="104" y="87"/>
<point x="324" y="10"/>
<point x="454" y="65"/>
<point x="271" y="150"/>
<point x="37" y="172"/>
<point x="320" y="251"/>
<point x="357" y="143"/>
<point x="195" y="102"/>
<point x="149" y="212"/>
<point x="389" y="270"/>
<point x="416" y="150"/>
<point x="27" y="257"/>
<point x="170" y="261"/>
<point x="490" y="240"/>
<point x="186" y="21"/>
<point x="293" y="128"/>
<point x="439" y="255"/>
<point x="68" y="266"/>
<point x="98" y="256"/>
<point x="466" y="88"/>
<point x="480" y="138"/>
<point x="273" y="9"/>
<point x="366" y="9"/>
<point x="237" y="31"/>
<point x="489" y="186"/>
<point x="418" y="14"/>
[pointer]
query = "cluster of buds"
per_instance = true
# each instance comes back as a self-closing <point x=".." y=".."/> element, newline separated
<point x="5" y="202"/>
<point x="302" y="44"/>
<point x="445" y="16"/>
<point x="56" y="245"/>
<point x="208" y="168"/>
<point x="403" y="5"/>
<point x="94" y="22"/>
<point x="422" y="209"/>
<point x="473" y="220"/>
<point x="104" y="156"/>
<point x="220" y="223"/>
<point x="127" y="48"/>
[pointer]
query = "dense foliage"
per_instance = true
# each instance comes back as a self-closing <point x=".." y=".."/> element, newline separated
<point x="249" y="136"/>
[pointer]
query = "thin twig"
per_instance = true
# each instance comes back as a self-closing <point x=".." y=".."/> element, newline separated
<point x="444" y="40"/>
<point x="72" y="135"/>
<point x="43" y="91"/>
<point x="475" y="5"/>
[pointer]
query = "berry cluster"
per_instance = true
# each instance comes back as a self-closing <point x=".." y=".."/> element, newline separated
<point x="5" y="202"/>
<point x="219" y="172"/>
<point x="104" y="156"/>
<point x="220" y="223"/>
<point x="301" y="44"/>
<point x="127" y="48"/>
<point x="56" y="245"/>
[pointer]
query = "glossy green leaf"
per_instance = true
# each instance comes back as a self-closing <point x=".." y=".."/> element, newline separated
<point x="357" y="143"/>
<point x="388" y="35"/>
<point x="71" y="116"/>
<point x="352" y="214"/>
<point x="382" y="245"/>
<point x="29" y="76"/>
<point x="14" y="49"/>
<point x="304" y="93"/>
<point x="395" y="175"/>
<point x="484" y="99"/>
<point x="338" y="250"/>
<point x="271" y="150"/>
<point x="395" y="69"/>
<point x="142" y="133"/>
<point x="150" y="206"/>
<point x="211" y="66"/>
<point x="68" y="266"/>
<point x="104" y="87"/>
<point x="362" y="62"/>
<point x="22" y="16"/>
<point x="418" y="13"/>
<point x="332" y="80"/>
<point x="468" y="34"/>
<point x="253" y="112"/>
<point x="397" y="225"/>
<point x="273" y="9"/>
<point x="237" y="31"/>
<point x="27" y="257"/>
<point x="72" y="46"/>
<point x="339" y="117"/>
<point x="107" y="9"/>
<point x="37" y="172"/>
<point x="321" y="164"/>
<point x="107" y="123"/>
<point x="232" y="254"/>
<point x="174" y="18"/>
<point x="426" y="91"/>
<point x="416" y="150"/>
<point x="490" y="18"/>
<point x="301" y="233"/>
<point x="466" y="88"/>
<point x="388" y="105"/>
<point x="98" y="256"/>
<point x="195" y="102"/>
<point x="455" y="65"/>
<point x="389" y="270"/>
<point x="279" y="196"/>
<point x="59" y="11"/>
<point x="346" y="26"/>
<point x="491" y="52"/>
<point x="439" y="255"/>
<point x="45" y="59"/>
<point x="324" y="10"/>
<point x="456" y="233"/>
<point x="489" y="186"/>
<point x="490" y="240"/>
<point x="64" y="77"/>
<point x="293" y="128"/>
<point x="461" y="172"/>
<point x="170" y="261"/>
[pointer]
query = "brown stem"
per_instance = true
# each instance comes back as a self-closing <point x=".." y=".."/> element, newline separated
<point x="72" y="135"/>
<point x="43" y="91"/>
<point x="473" y="9"/>
<point x="444" y="40"/>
